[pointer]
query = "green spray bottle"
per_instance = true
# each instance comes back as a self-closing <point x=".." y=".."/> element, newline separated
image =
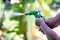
<point x="35" y="13"/>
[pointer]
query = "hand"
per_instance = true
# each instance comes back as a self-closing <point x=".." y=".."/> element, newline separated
<point x="39" y="21"/>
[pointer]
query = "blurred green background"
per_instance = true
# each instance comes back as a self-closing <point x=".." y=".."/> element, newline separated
<point x="14" y="25"/>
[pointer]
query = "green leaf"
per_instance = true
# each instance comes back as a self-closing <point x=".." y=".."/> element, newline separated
<point x="19" y="19"/>
<point x="17" y="8"/>
<point x="29" y="1"/>
<point x="0" y="4"/>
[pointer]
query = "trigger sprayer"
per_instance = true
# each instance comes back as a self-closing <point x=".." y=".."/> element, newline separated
<point x="35" y="13"/>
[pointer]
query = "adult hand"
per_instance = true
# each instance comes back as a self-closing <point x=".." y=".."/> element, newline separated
<point x="38" y="21"/>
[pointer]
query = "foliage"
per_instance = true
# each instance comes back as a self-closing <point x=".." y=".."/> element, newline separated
<point x="14" y="24"/>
